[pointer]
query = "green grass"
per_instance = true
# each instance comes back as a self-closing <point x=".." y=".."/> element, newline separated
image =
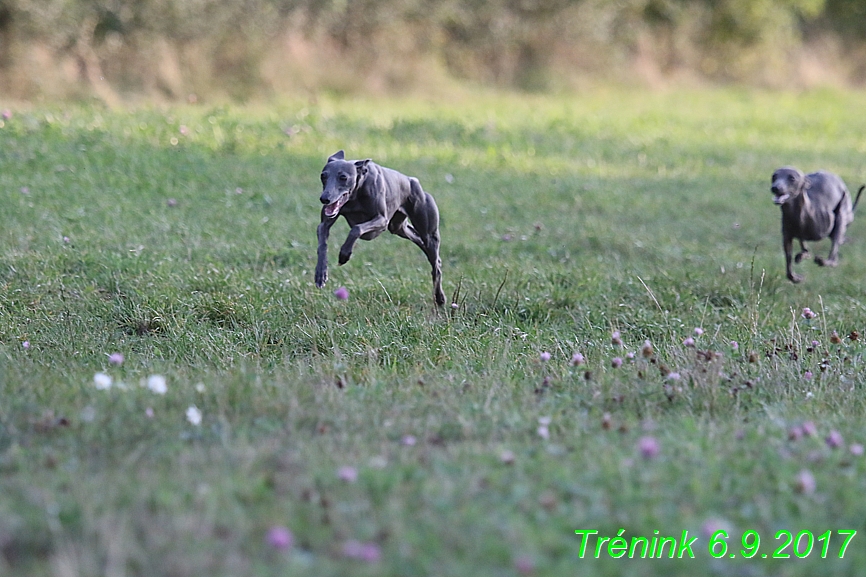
<point x="563" y="219"/>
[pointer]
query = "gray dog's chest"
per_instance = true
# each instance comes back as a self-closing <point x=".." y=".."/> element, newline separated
<point x="810" y="225"/>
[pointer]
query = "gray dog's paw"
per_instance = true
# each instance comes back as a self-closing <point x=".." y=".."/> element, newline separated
<point x="321" y="278"/>
<point x="801" y="255"/>
<point x="439" y="297"/>
<point x="344" y="257"/>
<point x="820" y="261"/>
<point x="795" y="278"/>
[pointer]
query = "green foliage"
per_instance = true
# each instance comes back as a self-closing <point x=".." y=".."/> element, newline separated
<point x="254" y="47"/>
<point x="562" y="221"/>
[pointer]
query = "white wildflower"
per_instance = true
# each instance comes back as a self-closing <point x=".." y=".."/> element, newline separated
<point x="102" y="381"/>
<point x="156" y="383"/>
<point x="193" y="415"/>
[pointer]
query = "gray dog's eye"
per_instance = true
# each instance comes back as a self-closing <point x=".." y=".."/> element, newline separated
<point x="790" y="178"/>
<point x="324" y="177"/>
<point x="343" y="178"/>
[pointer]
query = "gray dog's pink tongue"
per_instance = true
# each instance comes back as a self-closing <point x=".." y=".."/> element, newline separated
<point x="333" y="208"/>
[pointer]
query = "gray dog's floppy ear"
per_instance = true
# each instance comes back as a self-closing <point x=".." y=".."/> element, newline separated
<point x="807" y="182"/>
<point x="361" y="166"/>
<point x="339" y="155"/>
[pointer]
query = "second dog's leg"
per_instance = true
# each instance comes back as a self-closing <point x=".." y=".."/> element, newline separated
<point x="788" y="245"/>
<point x="804" y="252"/>
<point x="837" y="236"/>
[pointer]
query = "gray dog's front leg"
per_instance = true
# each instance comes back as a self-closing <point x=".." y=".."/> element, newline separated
<point x="370" y="229"/>
<point x="322" y="233"/>
<point x="788" y="246"/>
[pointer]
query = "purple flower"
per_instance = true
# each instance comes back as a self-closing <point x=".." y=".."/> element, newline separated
<point x="689" y="342"/>
<point x="735" y="345"/>
<point x="25" y="345"/>
<point x="673" y="376"/>
<point x="834" y="440"/>
<point x="545" y="356"/>
<point x="524" y="565"/>
<point x="807" y="375"/>
<point x="183" y="129"/>
<point x="280" y="538"/>
<point x="815" y="344"/>
<point x="856" y="449"/>
<point x="577" y="359"/>
<point x="409" y="441"/>
<point x="7" y="114"/>
<point x="699" y="331"/>
<point x="348" y="474"/>
<point x="805" y="482"/>
<point x="171" y="202"/>
<point x="66" y="240"/>
<point x="809" y="429"/>
<point x="149" y="412"/>
<point x="616" y="362"/>
<point x="648" y="447"/>
<point x="369" y="552"/>
<point x="647" y="349"/>
<point x="342" y="293"/>
<point x="808" y="314"/>
<point x="714" y="524"/>
<point x="115" y="359"/>
<point x="616" y="339"/>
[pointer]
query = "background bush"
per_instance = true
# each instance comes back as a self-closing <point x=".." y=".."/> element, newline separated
<point x="246" y="48"/>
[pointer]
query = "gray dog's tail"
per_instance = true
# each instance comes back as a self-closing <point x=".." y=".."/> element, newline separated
<point x="856" y="200"/>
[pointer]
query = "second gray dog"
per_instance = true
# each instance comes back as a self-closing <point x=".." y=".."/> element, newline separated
<point x="373" y="198"/>
<point x="814" y="206"/>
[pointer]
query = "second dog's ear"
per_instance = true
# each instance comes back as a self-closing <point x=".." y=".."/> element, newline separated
<point x="339" y="155"/>
<point x="361" y="166"/>
<point x="807" y="183"/>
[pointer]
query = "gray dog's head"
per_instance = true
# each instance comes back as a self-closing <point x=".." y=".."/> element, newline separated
<point x="787" y="184"/>
<point x="340" y="180"/>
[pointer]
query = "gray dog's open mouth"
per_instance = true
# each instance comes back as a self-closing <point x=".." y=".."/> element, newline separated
<point x="334" y="208"/>
<point x="781" y="199"/>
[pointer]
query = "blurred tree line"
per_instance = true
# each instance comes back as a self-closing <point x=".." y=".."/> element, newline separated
<point x="243" y="48"/>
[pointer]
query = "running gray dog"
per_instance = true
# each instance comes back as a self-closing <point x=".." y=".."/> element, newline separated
<point x="814" y="206"/>
<point x="373" y="198"/>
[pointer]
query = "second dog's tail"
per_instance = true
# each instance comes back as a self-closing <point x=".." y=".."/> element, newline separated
<point x="856" y="200"/>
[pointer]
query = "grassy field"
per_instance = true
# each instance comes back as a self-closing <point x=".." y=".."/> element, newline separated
<point x="393" y="439"/>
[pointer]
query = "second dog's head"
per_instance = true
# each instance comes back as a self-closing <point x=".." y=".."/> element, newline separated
<point x="340" y="180"/>
<point x="787" y="184"/>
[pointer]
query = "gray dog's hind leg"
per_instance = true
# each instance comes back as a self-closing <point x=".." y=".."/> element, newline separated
<point x="837" y="237"/>
<point x="424" y="232"/>
<point x="432" y="252"/>
<point x="804" y="252"/>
